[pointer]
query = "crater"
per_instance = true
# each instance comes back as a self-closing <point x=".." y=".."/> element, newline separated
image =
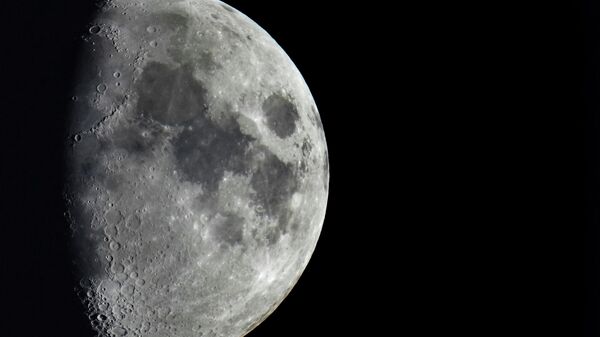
<point x="134" y="222"/>
<point x="281" y="114"/>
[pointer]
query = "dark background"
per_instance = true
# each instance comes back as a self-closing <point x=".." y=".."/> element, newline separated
<point x="590" y="94"/>
<point x="464" y="153"/>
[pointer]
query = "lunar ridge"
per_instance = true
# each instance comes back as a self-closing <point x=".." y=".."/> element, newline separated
<point x="197" y="175"/>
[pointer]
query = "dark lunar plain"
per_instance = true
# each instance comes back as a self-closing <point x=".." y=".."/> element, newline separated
<point x="335" y="55"/>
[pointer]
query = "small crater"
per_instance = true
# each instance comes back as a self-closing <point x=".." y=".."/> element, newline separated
<point x="101" y="88"/>
<point x="85" y="282"/>
<point x="113" y="216"/>
<point x="162" y="312"/>
<point x="95" y="29"/>
<point x="109" y="289"/>
<point x="114" y="245"/>
<point x="118" y="331"/>
<point x="306" y="148"/>
<point x="117" y="268"/>
<point x="117" y="74"/>
<point x="153" y="44"/>
<point x="127" y="290"/>
<point x="151" y="29"/>
<point x="281" y="114"/>
<point x="110" y="230"/>
<point x="121" y="277"/>
<point x="260" y="209"/>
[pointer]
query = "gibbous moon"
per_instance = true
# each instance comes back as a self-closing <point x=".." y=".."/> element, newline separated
<point x="197" y="176"/>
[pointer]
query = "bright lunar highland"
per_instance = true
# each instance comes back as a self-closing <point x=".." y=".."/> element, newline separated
<point x="197" y="171"/>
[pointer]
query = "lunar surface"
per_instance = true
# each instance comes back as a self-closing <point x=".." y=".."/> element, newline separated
<point x="197" y="175"/>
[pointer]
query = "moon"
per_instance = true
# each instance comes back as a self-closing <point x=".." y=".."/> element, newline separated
<point x="197" y="178"/>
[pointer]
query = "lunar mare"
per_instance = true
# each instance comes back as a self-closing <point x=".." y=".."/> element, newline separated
<point x="197" y="176"/>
